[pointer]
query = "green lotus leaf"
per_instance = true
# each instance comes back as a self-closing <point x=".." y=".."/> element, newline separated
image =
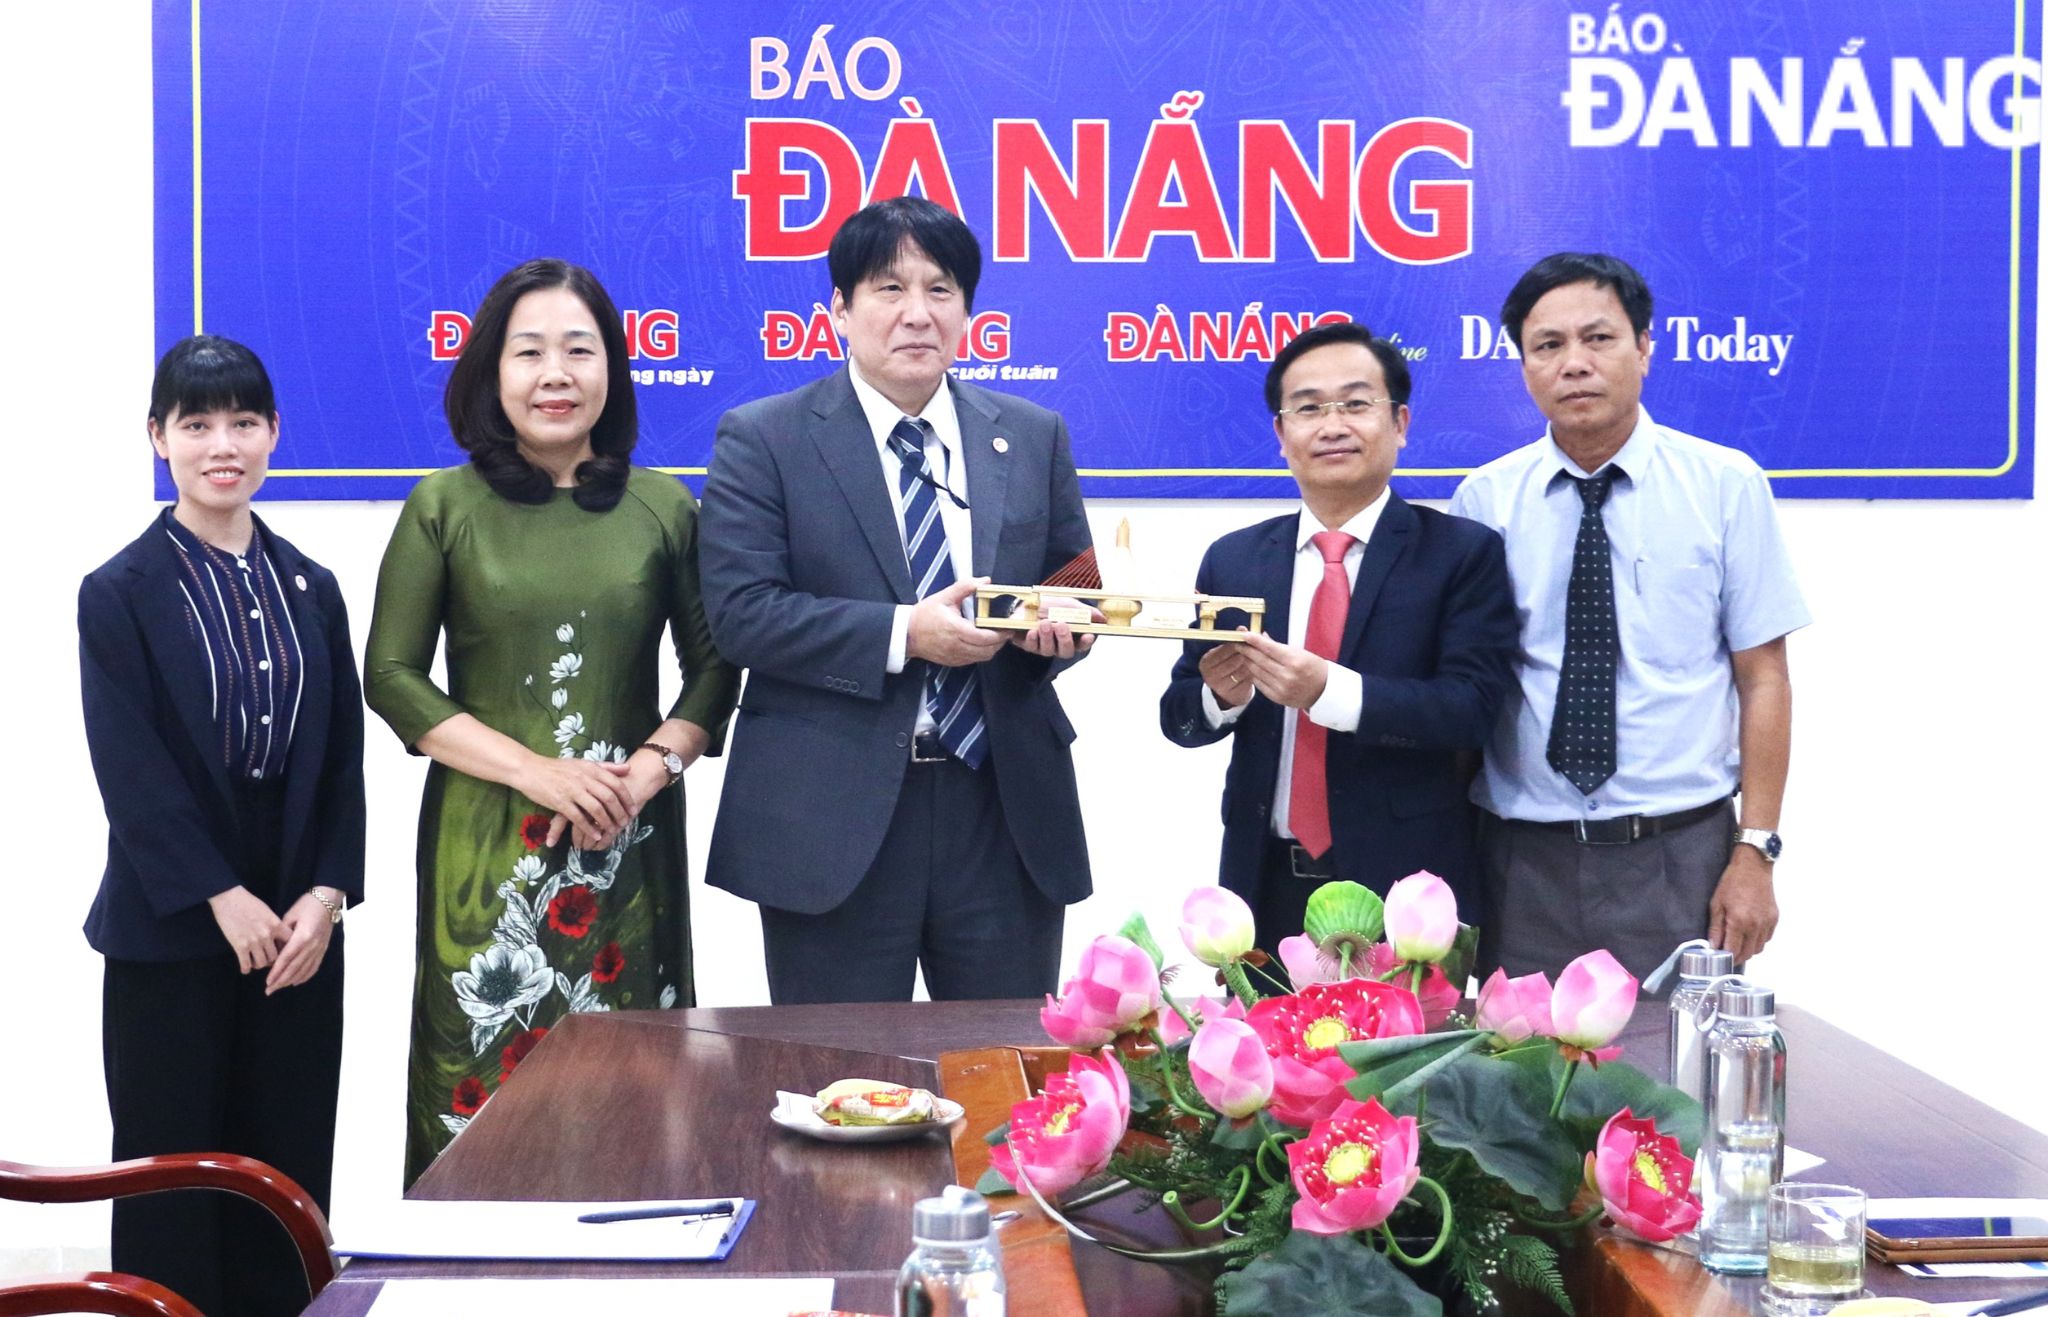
<point x="1313" y="1275"/>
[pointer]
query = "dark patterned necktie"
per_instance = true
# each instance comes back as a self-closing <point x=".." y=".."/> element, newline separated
<point x="1582" y="727"/>
<point x="951" y="695"/>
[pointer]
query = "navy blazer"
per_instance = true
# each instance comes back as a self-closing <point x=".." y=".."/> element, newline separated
<point x="1432" y="629"/>
<point x="803" y="568"/>
<point x="155" y="750"/>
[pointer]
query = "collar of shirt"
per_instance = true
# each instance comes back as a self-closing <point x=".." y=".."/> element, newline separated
<point x="938" y="413"/>
<point x="183" y="537"/>
<point x="1634" y="457"/>
<point x="1307" y="525"/>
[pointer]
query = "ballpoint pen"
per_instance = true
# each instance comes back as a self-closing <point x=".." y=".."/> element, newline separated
<point x="682" y="1211"/>
<point x="2017" y="1303"/>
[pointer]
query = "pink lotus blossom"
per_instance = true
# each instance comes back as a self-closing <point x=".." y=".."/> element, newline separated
<point x="1437" y="996"/>
<point x="1203" y="1009"/>
<point x="1066" y="1133"/>
<point x="1217" y="925"/>
<point x="1514" y="1010"/>
<point x="1353" y="1169"/>
<point x="1115" y="987"/>
<point x="1644" y="1178"/>
<point x="1230" y="1067"/>
<point x="1592" y="1002"/>
<point x="1301" y="1034"/>
<point x="1305" y="964"/>
<point x="1422" y="918"/>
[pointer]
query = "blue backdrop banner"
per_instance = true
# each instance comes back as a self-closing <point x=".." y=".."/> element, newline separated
<point x="1834" y="204"/>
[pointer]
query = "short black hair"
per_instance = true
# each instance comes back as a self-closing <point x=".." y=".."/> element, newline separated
<point x="1561" y="268"/>
<point x="208" y="373"/>
<point x="1392" y="364"/>
<point x="867" y="244"/>
<point x="477" y="419"/>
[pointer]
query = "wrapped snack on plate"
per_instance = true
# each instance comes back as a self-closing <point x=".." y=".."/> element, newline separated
<point x="872" y="1102"/>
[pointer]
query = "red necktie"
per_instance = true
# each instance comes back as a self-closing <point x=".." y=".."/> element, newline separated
<point x="1308" y="800"/>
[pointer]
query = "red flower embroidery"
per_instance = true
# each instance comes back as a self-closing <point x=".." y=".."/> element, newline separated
<point x="510" y="1058"/>
<point x="469" y="1096"/>
<point x="533" y="830"/>
<point x="608" y="964"/>
<point x="572" y="911"/>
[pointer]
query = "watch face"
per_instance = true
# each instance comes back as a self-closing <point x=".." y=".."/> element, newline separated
<point x="673" y="763"/>
<point x="1772" y="846"/>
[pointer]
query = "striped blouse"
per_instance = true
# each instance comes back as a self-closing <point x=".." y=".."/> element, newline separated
<point x="235" y="606"/>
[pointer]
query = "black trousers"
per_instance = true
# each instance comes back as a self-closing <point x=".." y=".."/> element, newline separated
<point x="199" y="1060"/>
<point x="947" y="891"/>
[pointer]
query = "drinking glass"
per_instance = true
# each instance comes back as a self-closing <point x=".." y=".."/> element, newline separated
<point x="1816" y="1247"/>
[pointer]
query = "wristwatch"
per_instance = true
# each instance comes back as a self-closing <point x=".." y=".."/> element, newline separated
<point x="671" y="762"/>
<point x="1764" y="840"/>
<point x="335" y="908"/>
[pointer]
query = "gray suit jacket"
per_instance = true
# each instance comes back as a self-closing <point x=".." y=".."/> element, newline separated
<point x="803" y="567"/>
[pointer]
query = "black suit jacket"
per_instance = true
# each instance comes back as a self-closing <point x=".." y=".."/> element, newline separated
<point x="803" y="568"/>
<point x="155" y="750"/>
<point x="1432" y="630"/>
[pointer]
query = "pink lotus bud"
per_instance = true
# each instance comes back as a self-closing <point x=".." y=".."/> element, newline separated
<point x="1230" y="1067"/>
<point x="1422" y="918"/>
<point x="1592" y="1001"/>
<point x="1115" y="987"/>
<point x="1217" y="925"/>
<point x="1514" y="1010"/>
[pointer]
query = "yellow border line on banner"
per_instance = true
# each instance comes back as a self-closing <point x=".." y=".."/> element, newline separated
<point x="2012" y="452"/>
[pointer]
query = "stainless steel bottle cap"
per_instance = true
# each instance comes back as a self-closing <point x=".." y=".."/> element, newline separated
<point x="1705" y="963"/>
<point x="1739" y="1000"/>
<point x="960" y="1217"/>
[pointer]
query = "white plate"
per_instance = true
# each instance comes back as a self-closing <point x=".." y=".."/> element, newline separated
<point x="793" y="1111"/>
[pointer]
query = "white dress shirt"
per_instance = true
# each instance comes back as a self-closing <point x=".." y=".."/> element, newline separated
<point x="1700" y="571"/>
<point x="942" y="449"/>
<point x="1343" y="697"/>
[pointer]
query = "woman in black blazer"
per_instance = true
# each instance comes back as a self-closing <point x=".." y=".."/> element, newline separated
<point x="224" y="717"/>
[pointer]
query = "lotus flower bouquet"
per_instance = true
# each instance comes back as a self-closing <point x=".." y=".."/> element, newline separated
<point x="1336" y="1127"/>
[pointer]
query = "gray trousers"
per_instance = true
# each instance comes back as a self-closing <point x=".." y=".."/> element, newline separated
<point x="1553" y="898"/>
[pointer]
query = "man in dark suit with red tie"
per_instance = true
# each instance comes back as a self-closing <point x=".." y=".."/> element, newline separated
<point x="1388" y="641"/>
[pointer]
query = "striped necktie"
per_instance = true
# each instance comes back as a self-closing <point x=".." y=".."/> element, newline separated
<point x="951" y="695"/>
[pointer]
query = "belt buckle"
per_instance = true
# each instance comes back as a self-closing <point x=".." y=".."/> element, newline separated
<point x="1602" y="831"/>
<point x="1303" y="865"/>
<point x="920" y="743"/>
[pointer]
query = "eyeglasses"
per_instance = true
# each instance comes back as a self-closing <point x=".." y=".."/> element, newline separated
<point x="1315" y="411"/>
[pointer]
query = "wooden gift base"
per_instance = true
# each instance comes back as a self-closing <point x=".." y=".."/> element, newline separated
<point x="1119" y="607"/>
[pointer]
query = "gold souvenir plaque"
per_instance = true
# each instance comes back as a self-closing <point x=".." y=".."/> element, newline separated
<point x="1045" y="603"/>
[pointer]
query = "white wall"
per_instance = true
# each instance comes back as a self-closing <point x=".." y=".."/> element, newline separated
<point x="1917" y="772"/>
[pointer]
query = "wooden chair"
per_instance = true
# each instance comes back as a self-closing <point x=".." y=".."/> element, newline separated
<point x="130" y="1296"/>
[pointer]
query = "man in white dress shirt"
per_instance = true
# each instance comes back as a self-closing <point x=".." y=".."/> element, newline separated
<point x="1655" y="594"/>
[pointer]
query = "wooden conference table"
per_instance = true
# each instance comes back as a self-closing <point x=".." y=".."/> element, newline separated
<point x="659" y="1104"/>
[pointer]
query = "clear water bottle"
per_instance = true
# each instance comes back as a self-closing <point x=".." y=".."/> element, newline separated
<point x="1743" y="1152"/>
<point x="954" y="1268"/>
<point x="1699" y="964"/>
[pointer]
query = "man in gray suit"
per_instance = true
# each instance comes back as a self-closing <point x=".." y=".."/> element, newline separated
<point x="899" y="790"/>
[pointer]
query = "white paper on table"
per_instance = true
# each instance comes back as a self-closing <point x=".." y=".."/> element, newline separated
<point x="1975" y="1305"/>
<point x="1894" y="1208"/>
<point x="650" y="1297"/>
<point x="1976" y="1270"/>
<point x="536" y="1231"/>
<point x="1799" y="1162"/>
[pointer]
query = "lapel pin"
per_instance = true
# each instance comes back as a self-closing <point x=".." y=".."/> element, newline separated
<point x="300" y="580"/>
<point x="1002" y="445"/>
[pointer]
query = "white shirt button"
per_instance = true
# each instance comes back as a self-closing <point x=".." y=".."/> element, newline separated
<point x="266" y="720"/>
<point x="263" y="665"/>
<point x="259" y="772"/>
<point x="255" y="612"/>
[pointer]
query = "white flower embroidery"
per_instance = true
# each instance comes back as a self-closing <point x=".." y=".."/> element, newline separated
<point x="668" y="995"/>
<point x="599" y="751"/>
<point x="565" y="667"/>
<point x="565" y="633"/>
<point x="455" y="1124"/>
<point x="529" y="867"/>
<point x="582" y="995"/>
<point x="500" y="980"/>
<point x="568" y="729"/>
<point x="516" y="927"/>
<point x="560" y="697"/>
